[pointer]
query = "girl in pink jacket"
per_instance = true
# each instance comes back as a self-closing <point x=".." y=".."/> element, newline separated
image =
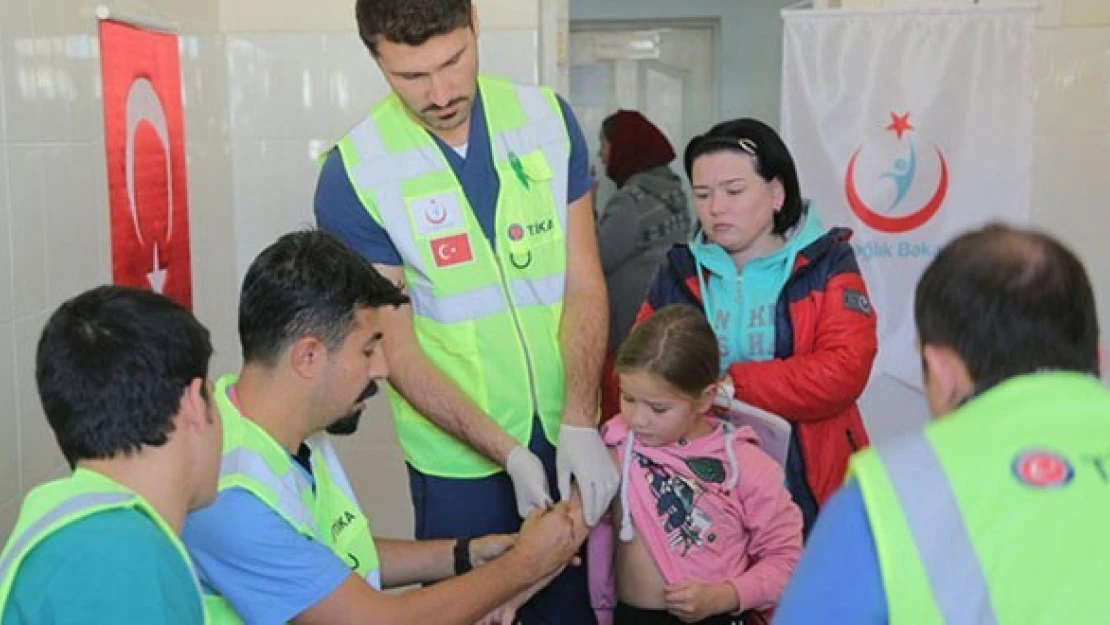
<point x="708" y="532"/>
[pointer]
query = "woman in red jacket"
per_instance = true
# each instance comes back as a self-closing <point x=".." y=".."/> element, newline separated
<point x="785" y="298"/>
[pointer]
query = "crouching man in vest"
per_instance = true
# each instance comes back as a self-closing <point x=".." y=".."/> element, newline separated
<point x="996" y="513"/>
<point x="285" y="540"/>
<point x="122" y="376"/>
<point x="475" y="194"/>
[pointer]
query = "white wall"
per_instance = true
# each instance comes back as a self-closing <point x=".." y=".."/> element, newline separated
<point x="266" y="84"/>
<point x="1071" y="158"/>
<point x="53" y="195"/>
<point x="749" y="56"/>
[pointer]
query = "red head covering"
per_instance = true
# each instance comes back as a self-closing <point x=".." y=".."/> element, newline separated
<point x="635" y="145"/>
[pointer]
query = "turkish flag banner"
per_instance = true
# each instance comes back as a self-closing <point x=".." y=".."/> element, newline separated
<point x="452" y="250"/>
<point x="144" y="137"/>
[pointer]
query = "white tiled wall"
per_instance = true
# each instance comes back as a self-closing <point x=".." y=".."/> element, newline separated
<point x="1071" y="156"/>
<point x="266" y="85"/>
<point x="240" y="16"/>
<point x="53" y="194"/>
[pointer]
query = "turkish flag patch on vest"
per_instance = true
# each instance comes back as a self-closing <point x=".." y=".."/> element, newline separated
<point x="452" y="250"/>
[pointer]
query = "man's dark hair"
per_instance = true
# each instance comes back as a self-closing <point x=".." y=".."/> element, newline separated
<point x="1009" y="301"/>
<point x="771" y="158"/>
<point x="307" y="283"/>
<point x="112" y="366"/>
<point x="411" y="22"/>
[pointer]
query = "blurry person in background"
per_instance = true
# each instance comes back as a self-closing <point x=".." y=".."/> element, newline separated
<point x="641" y="221"/>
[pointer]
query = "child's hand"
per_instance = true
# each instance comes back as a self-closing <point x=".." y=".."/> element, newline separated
<point x="692" y="602"/>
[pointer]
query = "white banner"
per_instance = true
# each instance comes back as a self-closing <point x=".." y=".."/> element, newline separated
<point x="909" y="126"/>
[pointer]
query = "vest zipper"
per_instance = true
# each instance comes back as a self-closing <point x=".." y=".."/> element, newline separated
<point x="519" y="332"/>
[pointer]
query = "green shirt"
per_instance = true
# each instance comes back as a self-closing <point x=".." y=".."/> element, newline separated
<point x="113" y="567"/>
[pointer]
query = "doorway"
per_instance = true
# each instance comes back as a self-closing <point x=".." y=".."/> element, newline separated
<point x="666" y="69"/>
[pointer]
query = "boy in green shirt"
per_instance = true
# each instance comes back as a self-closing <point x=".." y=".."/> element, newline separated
<point x="122" y="375"/>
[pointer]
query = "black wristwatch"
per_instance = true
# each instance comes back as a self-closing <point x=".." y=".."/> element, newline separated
<point x="462" y="556"/>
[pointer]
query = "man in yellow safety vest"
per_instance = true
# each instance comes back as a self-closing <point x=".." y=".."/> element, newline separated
<point x="286" y="539"/>
<point x="996" y="513"/>
<point x="474" y="193"/>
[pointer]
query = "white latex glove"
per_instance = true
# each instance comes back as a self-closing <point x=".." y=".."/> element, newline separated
<point x="581" y="454"/>
<point x="529" y="480"/>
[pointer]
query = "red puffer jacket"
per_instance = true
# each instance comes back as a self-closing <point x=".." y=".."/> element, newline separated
<point x="825" y="344"/>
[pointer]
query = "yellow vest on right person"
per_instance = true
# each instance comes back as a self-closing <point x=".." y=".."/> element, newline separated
<point x="998" y="513"/>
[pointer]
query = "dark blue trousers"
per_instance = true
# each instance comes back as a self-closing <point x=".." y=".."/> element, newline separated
<point x="450" y="508"/>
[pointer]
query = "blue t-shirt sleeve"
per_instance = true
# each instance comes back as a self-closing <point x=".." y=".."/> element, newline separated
<point x="838" y="578"/>
<point x="579" y="180"/>
<point x="112" y="567"/>
<point x="257" y="561"/>
<point x="339" y="211"/>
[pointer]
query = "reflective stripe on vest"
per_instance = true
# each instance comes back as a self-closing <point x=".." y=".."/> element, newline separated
<point x="69" y="508"/>
<point x="996" y="513"/>
<point x="383" y="172"/>
<point x="937" y="526"/>
<point x="487" y="317"/>
<point x="328" y="514"/>
<point x="55" y="505"/>
<point x="486" y="301"/>
<point x="293" y="486"/>
<point x="288" y="487"/>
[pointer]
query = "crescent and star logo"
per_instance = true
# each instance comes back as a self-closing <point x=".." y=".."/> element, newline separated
<point x="1041" y="468"/>
<point x="435" y="213"/>
<point x="143" y="105"/>
<point x="451" y="250"/>
<point x="894" y="218"/>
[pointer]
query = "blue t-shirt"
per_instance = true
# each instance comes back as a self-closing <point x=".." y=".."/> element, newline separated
<point x="838" y="578"/>
<point x="257" y="561"/>
<point x="112" y="567"/>
<point x="340" y="212"/>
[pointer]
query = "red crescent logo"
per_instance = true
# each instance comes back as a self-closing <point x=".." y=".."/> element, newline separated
<point x="1042" y="469"/>
<point x="883" y="223"/>
<point x="435" y="214"/>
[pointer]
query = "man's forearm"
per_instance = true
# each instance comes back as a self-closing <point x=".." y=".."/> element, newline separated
<point x="442" y="402"/>
<point x="465" y="599"/>
<point x="583" y="336"/>
<point x="461" y="600"/>
<point x="405" y="562"/>
<point x="584" y="329"/>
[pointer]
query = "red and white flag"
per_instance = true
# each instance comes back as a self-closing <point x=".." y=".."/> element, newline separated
<point x="144" y="136"/>
<point x="451" y="250"/>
